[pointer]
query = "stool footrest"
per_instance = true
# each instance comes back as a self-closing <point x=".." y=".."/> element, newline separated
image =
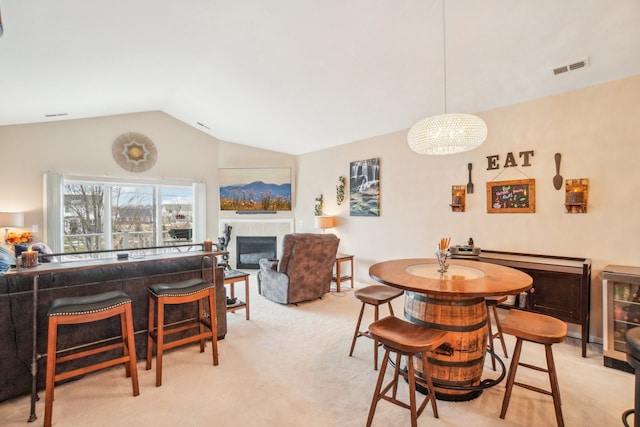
<point x="92" y="368"/>
<point x="182" y="341"/>
<point x="90" y="352"/>
<point x="534" y="367"/>
<point x="532" y="388"/>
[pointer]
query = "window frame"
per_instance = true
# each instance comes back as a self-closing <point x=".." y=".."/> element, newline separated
<point x="54" y="208"/>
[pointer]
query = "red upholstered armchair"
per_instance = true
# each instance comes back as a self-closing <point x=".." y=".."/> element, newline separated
<point x="304" y="272"/>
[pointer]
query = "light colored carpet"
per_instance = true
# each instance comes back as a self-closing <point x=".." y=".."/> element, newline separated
<point x="289" y="366"/>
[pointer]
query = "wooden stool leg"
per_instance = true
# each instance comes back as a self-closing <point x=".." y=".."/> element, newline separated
<point x="396" y="375"/>
<point x="493" y="357"/>
<point x="412" y="391"/>
<point x="376" y="393"/>
<point x="201" y="324"/>
<point x="159" y="342"/>
<point x="125" y="338"/>
<point x="390" y="308"/>
<point x="499" y="328"/>
<point x="432" y="393"/>
<point x="150" y="327"/>
<point x="130" y="348"/>
<point x="51" y="369"/>
<point x="356" y="334"/>
<point x="213" y="322"/>
<point x="375" y="341"/>
<point x="511" y="377"/>
<point x="555" y="389"/>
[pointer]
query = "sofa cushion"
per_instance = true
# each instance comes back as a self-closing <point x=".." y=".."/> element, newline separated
<point x="6" y="259"/>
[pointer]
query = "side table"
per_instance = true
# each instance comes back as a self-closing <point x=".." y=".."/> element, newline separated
<point x="339" y="277"/>
<point x="230" y="278"/>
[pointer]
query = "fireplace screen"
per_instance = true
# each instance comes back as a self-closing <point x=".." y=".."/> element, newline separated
<point x="251" y="249"/>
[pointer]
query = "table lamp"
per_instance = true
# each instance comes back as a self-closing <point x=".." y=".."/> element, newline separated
<point x="325" y="222"/>
<point x="11" y="219"/>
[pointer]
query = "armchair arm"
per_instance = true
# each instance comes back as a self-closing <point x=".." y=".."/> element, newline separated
<point x="268" y="264"/>
<point x="271" y="283"/>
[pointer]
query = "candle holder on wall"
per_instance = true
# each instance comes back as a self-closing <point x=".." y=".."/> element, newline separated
<point x="458" y="193"/>
<point x="576" y="195"/>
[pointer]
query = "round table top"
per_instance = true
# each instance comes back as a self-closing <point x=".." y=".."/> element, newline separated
<point x="463" y="279"/>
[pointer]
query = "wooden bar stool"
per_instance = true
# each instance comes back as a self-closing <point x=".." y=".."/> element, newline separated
<point x="539" y="329"/>
<point x="405" y="339"/>
<point x="374" y="295"/>
<point x="180" y="293"/>
<point x="492" y="308"/>
<point x="77" y="310"/>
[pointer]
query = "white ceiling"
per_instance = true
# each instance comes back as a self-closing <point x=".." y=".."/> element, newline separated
<point x="297" y="76"/>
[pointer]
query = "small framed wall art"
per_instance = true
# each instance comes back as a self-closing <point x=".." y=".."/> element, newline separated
<point x="517" y="196"/>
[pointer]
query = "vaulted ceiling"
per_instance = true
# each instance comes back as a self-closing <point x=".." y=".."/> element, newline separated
<point x="297" y="76"/>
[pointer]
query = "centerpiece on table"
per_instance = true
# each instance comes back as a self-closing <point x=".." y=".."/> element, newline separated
<point x="442" y="254"/>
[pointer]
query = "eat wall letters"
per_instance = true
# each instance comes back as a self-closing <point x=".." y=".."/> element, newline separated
<point x="493" y="161"/>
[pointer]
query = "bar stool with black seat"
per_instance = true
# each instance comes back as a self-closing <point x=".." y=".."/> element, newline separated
<point x="539" y="329"/>
<point x="77" y="310"/>
<point x="375" y="295"/>
<point x="180" y="293"/>
<point x="492" y="308"/>
<point x="632" y="338"/>
<point x="405" y="339"/>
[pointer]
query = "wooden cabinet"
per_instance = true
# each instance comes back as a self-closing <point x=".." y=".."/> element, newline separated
<point x="561" y="286"/>
<point x="621" y="306"/>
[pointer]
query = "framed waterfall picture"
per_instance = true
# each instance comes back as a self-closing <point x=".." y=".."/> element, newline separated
<point x="364" y="188"/>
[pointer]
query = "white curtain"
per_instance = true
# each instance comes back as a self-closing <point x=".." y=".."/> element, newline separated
<point x="199" y="212"/>
<point x="52" y="208"/>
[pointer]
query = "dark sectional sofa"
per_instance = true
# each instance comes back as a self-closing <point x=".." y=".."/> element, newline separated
<point x="16" y="309"/>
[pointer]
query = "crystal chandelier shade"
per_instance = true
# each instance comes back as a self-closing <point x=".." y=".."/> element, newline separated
<point x="447" y="134"/>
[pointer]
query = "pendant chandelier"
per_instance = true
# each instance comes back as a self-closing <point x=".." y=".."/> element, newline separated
<point x="447" y="133"/>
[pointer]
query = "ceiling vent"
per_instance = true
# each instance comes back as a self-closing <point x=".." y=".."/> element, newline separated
<point x="560" y="70"/>
<point x="571" y="67"/>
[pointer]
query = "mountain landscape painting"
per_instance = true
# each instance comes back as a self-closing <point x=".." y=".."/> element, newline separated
<point x="255" y="189"/>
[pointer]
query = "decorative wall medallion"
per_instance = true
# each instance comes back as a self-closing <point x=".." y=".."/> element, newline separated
<point x="134" y="152"/>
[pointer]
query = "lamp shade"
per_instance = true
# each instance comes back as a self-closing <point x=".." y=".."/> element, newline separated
<point x="11" y="219"/>
<point x="325" y="222"/>
<point x="447" y="134"/>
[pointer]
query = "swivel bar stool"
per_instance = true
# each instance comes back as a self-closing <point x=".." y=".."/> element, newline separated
<point x="77" y="310"/>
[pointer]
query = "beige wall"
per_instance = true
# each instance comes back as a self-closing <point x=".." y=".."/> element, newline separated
<point x="83" y="147"/>
<point x="594" y="129"/>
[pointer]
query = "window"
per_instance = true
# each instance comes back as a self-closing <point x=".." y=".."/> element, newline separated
<point x="101" y="214"/>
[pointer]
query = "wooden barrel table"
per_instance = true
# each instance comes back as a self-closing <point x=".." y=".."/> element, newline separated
<point x="452" y="301"/>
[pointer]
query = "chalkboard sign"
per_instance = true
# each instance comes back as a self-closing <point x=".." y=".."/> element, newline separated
<point x="511" y="196"/>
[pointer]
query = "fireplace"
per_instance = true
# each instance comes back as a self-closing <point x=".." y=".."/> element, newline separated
<point x="251" y="249"/>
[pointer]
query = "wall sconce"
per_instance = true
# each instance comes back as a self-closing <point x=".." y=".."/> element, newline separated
<point x="458" y="195"/>
<point x="11" y="219"/>
<point x="325" y="222"/>
<point x="576" y="196"/>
